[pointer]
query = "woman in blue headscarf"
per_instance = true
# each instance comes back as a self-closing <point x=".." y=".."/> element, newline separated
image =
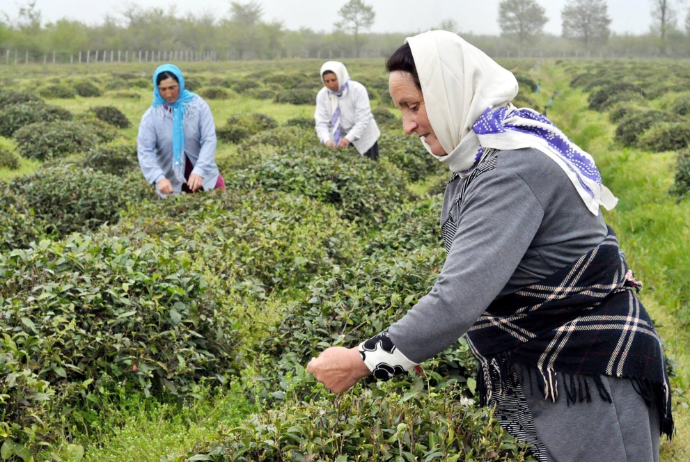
<point x="176" y="145"/>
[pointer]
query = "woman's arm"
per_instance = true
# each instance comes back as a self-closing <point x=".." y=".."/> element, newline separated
<point x="362" y="112"/>
<point x="500" y="218"/>
<point x="208" y="141"/>
<point x="146" y="150"/>
<point x="322" y="118"/>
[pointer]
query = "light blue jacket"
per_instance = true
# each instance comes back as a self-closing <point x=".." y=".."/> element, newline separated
<point x="154" y="144"/>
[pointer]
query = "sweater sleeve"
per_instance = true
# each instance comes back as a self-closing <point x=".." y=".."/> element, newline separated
<point x="499" y="219"/>
<point x="362" y="112"/>
<point x="322" y="117"/>
<point x="146" y="150"/>
<point x="207" y="130"/>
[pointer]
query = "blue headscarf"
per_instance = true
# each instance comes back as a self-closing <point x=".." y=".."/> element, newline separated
<point x="178" y="109"/>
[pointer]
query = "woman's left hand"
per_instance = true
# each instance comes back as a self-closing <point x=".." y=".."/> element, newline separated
<point x="343" y="143"/>
<point x="195" y="182"/>
<point x="338" y="368"/>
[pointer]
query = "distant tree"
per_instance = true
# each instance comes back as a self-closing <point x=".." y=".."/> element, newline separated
<point x="587" y="21"/>
<point x="246" y="14"/>
<point x="664" y="20"/>
<point x="450" y="25"/>
<point x="521" y="19"/>
<point x="357" y="17"/>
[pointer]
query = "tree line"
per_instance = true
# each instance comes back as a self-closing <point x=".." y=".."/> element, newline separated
<point x="242" y="33"/>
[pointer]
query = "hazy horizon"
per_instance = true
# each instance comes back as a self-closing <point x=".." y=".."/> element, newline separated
<point x="479" y="17"/>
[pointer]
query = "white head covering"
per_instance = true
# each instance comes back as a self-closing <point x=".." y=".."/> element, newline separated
<point x="338" y="69"/>
<point x="460" y="83"/>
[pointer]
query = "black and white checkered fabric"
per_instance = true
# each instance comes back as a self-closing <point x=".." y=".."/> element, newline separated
<point x="583" y="321"/>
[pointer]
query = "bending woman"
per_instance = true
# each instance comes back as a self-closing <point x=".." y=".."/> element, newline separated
<point x="176" y="145"/>
<point x="343" y="113"/>
<point x="567" y="353"/>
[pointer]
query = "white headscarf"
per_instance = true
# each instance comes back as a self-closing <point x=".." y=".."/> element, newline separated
<point x="460" y="84"/>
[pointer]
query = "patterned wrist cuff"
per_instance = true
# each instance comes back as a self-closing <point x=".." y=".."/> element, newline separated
<point x="382" y="358"/>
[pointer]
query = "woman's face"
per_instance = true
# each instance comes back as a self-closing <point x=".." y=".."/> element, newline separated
<point x="331" y="81"/>
<point x="169" y="89"/>
<point x="409" y="99"/>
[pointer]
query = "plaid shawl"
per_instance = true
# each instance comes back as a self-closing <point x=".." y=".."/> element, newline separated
<point x="583" y="321"/>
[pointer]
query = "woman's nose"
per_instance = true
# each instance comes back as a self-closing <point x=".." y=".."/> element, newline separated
<point x="409" y="124"/>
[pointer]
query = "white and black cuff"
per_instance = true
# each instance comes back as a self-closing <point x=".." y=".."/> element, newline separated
<point x="382" y="358"/>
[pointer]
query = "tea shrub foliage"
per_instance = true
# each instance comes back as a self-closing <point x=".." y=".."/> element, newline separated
<point x="18" y="226"/>
<point x="116" y="160"/>
<point x="408" y="154"/>
<point x="297" y="96"/>
<point x="214" y="93"/>
<point x="111" y="115"/>
<point x="87" y="89"/>
<point x="633" y="126"/>
<point x="8" y="159"/>
<point x="9" y="97"/>
<point x="58" y="91"/>
<point x="69" y="198"/>
<point x="48" y="140"/>
<point x="241" y="126"/>
<point x="364" y="190"/>
<point x="15" y="116"/>
<point x="681" y="183"/>
<point x="306" y="123"/>
<point x="666" y="137"/>
<point x="88" y="317"/>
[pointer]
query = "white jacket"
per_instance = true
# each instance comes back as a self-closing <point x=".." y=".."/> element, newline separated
<point x="356" y="120"/>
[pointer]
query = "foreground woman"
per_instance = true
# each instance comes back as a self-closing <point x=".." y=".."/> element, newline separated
<point x="176" y="145"/>
<point x="343" y="113"/>
<point x="567" y="353"/>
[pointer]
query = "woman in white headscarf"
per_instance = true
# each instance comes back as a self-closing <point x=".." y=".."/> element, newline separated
<point x="533" y="275"/>
<point x="343" y="113"/>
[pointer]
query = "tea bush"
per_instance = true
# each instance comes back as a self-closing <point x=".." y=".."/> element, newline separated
<point x="241" y="126"/>
<point x="284" y="80"/>
<point x="623" y="109"/>
<point x="126" y="95"/>
<point x="681" y="183"/>
<point x="526" y="82"/>
<point x="18" y="227"/>
<point x="261" y="94"/>
<point x="583" y="79"/>
<point x="214" y="93"/>
<point x="92" y="317"/>
<point x="274" y="241"/>
<point x="681" y="106"/>
<point x="408" y="154"/>
<point x="58" y="91"/>
<point x="306" y="123"/>
<point x="607" y="95"/>
<point x="378" y="424"/>
<point x="48" y="140"/>
<point x="86" y="89"/>
<point x="116" y="160"/>
<point x="665" y="137"/>
<point x="8" y="159"/>
<point x="365" y="191"/>
<point x="296" y="137"/>
<point x="103" y="131"/>
<point x="111" y="115"/>
<point x="15" y="116"/>
<point x="69" y="198"/>
<point x="411" y="226"/>
<point x="241" y="86"/>
<point x="220" y="82"/>
<point x="9" y="97"/>
<point x="384" y="117"/>
<point x="192" y="83"/>
<point x="632" y="127"/>
<point x="296" y="97"/>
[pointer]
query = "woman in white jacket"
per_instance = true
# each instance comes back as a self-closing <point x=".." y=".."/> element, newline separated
<point x="343" y="114"/>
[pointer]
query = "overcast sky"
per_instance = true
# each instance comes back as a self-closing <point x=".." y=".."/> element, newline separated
<point x="478" y="16"/>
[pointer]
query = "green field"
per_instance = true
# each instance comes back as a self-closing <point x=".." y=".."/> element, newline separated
<point x="140" y="330"/>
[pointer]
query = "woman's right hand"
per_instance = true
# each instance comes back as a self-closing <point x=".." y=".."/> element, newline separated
<point x="165" y="186"/>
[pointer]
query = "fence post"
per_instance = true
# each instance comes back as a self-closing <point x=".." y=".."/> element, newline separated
<point x="88" y="56"/>
<point x="26" y="58"/>
<point x="7" y="59"/>
<point x="71" y="59"/>
<point x="126" y="56"/>
<point x="146" y="56"/>
<point x="45" y="59"/>
<point x="112" y="52"/>
<point x="96" y="58"/>
<point x="53" y="56"/>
